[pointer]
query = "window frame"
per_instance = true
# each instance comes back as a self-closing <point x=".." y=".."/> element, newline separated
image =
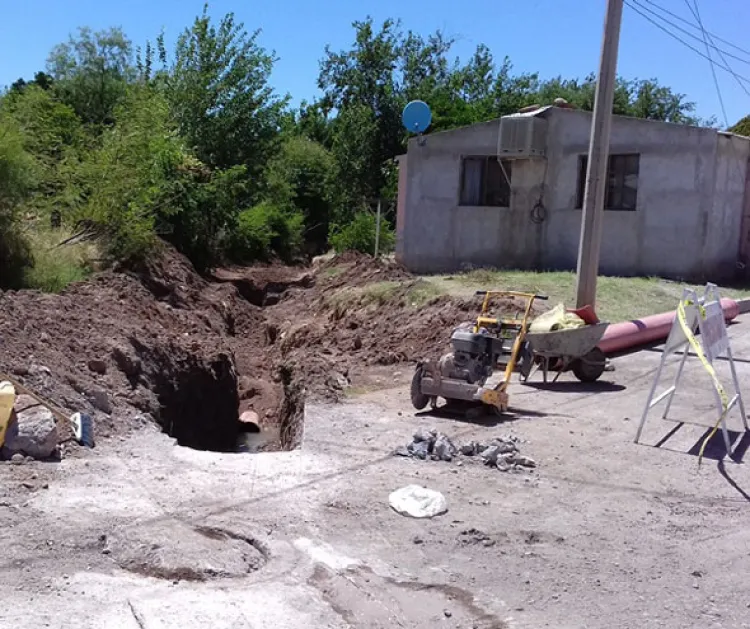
<point x="615" y="181"/>
<point x="484" y="192"/>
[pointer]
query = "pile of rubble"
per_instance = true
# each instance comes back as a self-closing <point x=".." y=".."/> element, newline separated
<point x="501" y="452"/>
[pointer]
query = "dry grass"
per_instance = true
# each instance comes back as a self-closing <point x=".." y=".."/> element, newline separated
<point x="55" y="267"/>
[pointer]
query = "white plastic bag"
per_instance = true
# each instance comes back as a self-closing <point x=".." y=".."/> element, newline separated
<point x="418" y="502"/>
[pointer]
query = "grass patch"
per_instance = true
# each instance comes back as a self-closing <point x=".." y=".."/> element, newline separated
<point x="57" y="267"/>
<point x="618" y="298"/>
<point x="415" y="294"/>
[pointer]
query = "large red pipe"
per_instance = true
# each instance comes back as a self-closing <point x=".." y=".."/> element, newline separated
<point x="628" y="334"/>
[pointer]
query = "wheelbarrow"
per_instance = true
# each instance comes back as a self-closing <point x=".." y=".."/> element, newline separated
<point x="565" y="350"/>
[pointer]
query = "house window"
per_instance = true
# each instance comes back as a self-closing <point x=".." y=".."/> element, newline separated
<point x="483" y="182"/>
<point x="622" y="182"/>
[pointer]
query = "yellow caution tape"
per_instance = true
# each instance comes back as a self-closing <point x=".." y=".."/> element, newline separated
<point x="708" y="367"/>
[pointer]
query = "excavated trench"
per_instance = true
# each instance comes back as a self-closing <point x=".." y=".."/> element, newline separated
<point x="198" y="395"/>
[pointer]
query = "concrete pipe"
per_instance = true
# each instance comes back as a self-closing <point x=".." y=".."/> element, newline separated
<point x="628" y="334"/>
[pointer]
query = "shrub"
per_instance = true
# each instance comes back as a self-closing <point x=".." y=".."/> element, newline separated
<point x="359" y="235"/>
<point x="266" y="230"/>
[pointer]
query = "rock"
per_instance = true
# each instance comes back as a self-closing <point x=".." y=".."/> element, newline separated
<point x="443" y="448"/>
<point x="422" y="434"/>
<point x="490" y="454"/>
<point x="447" y="613"/>
<point x="357" y="342"/>
<point x="18" y="459"/>
<point x="503" y="465"/>
<point x="34" y="433"/>
<point x="338" y="380"/>
<point x="402" y="452"/>
<point x="99" y="399"/>
<point x="97" y="366"/>
<point x="505" y="446"/>
<point x="419" y="449"/>
<point x="39" y="370"/>
<point x="524" y="461"/>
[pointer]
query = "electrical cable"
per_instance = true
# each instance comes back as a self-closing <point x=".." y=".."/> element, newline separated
<point x="696" y="14"/>
<point x="688" y="33"/>
<point x="684" y="43"/>
<point x="688" y="22"/>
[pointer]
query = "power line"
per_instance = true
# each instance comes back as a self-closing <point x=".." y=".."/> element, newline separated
<point x="697" y="15"/>
<point x="701" y="39"/>
<point x="726" y="68"/>
<point x="684" y="21"/>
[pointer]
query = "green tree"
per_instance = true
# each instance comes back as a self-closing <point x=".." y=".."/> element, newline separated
<point x="217" y="85"/>
<point x="91" y="72"/>
<point x="18" y="173"/>
<point x="54" y="135"/>
<point x="742" y="127"/>
<point x="129" y="175"/>
<point x="300" y="177"/>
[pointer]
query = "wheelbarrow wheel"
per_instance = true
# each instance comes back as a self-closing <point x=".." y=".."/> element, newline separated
<point x="589" y="367"/>
<point x="418" y="399"/>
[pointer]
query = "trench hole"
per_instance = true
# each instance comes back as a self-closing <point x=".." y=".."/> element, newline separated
<point x="196" y="401"/>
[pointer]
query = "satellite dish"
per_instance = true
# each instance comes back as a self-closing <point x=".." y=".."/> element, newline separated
<point x="416" y="116"/>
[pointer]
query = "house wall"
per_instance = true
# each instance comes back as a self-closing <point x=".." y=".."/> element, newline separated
<point x="687" y="222"/>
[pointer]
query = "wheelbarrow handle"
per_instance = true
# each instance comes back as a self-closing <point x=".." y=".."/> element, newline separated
<point x="482" y="293"/>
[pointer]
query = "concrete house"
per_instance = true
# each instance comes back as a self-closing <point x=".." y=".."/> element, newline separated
<point x="677" y="201"/>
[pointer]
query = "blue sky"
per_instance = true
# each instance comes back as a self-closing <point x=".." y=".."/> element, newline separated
<point x="554" y="37"/>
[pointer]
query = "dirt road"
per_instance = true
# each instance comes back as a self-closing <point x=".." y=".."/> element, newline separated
<point x="139" y="533"/>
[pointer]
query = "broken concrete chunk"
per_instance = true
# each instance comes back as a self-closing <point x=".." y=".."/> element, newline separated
<point x="490" y="454"/>
<point x="422" y="434"/>
<point x="524" y="461"/>
<point x="419" y="449"/>
<point x="444" y="449"/>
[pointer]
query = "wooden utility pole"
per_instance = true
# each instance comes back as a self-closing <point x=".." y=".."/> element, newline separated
<point x="596" y="170"/>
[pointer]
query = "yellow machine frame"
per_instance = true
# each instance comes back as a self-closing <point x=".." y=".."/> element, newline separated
<point x="498" y="396"/>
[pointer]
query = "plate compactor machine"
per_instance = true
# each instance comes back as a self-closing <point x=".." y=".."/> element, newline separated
<point x="492" y="343"/>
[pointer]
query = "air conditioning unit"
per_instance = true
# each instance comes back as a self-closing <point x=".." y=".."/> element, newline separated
<point x="522" y="137"/>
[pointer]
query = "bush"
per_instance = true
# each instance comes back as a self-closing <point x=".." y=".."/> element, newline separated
<point x="359" y="235"/>
<point x="265" y="231"/>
